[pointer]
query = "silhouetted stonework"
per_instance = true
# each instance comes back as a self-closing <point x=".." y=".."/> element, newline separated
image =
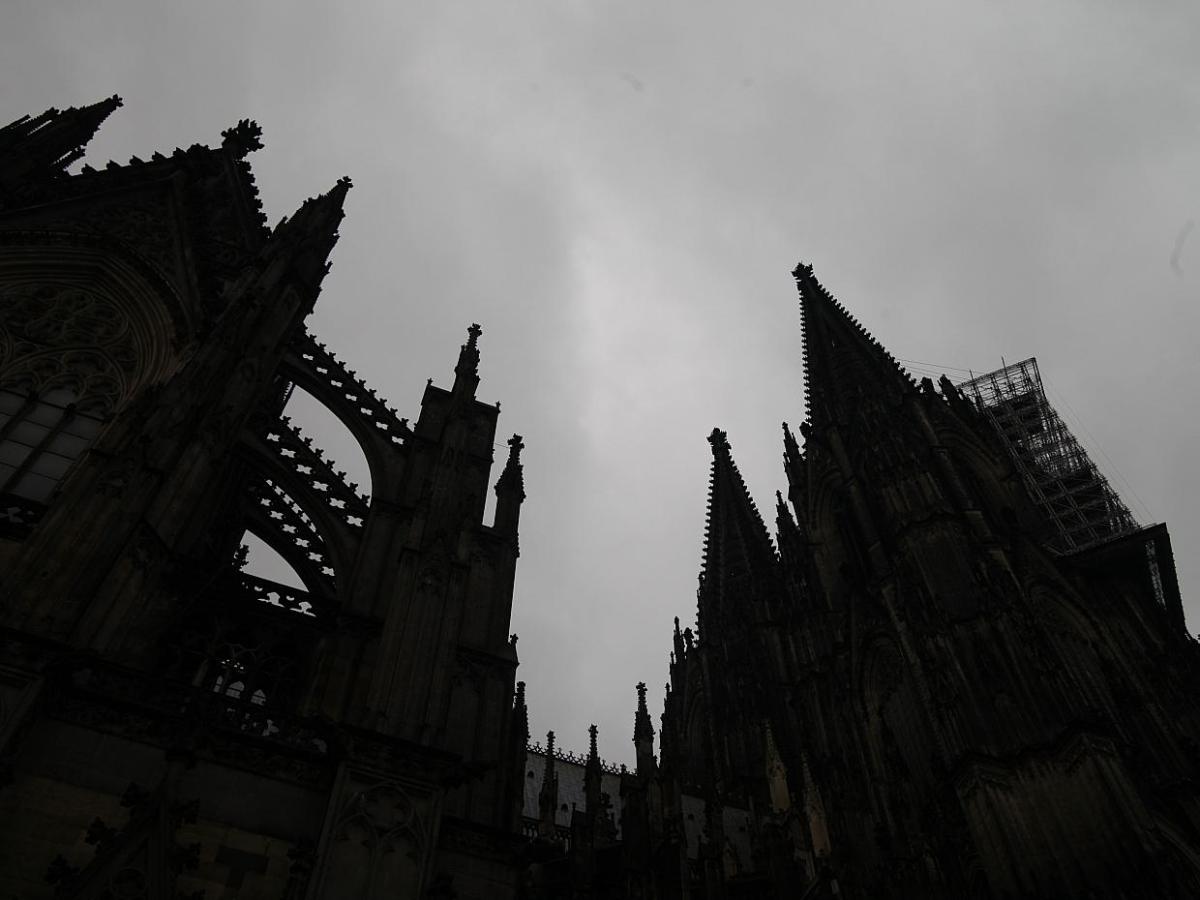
<point x="908" y="692"/>
<point x="170" y="725"/>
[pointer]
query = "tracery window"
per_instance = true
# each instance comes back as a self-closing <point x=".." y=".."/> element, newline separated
<point x="69" y="359"/>
<point x="40" y="437"/>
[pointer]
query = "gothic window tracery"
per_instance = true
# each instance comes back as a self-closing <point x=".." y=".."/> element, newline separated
<point x="41" y="436"/>
<point x="71" y="355"/>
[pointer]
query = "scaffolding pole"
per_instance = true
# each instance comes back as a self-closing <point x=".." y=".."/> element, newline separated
<point x="1057" y="471"/>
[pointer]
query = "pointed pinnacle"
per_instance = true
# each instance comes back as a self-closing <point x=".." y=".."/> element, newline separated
<point x="321" y="213"/>
<point x="842" y="360"/>
<point x="785" y="524"/>
<point x="466" y="370"/>
<point x="46" y="144"/>
<point x="310" y="234"/>
<point x="642" y="729"/>
<point x="791" y="450"/>
<point x="88" y="119"/>
<point x="512" y="479"/>
<point x="593" y="753"/>
<point x="549" y="757"/>
<point x="736" y="541"/>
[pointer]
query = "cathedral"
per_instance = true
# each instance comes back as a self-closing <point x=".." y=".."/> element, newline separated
<point x="954" y="667"/>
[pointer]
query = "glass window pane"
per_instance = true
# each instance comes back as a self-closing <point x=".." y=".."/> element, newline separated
<point x="50" y="465"/>
<point x="68" y="445"/>
<point x="28" y="434"/>
<point x="34" y="487"/>
<point x="44" y="413"/>
<point x="83" y="426"/>
<point x="12" y="453"/>
<point x="59" y="397"/>
<point x="9" y="404"/>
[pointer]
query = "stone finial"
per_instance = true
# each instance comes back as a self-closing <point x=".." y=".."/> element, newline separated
<point x="243" y="138"/>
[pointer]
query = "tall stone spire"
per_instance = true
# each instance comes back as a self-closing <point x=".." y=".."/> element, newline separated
<point x="466" y="372"/>
<point x="793" y="468"/>
<point x="44" y="146"/>
<point x="791" y="450"/>
<point x="510" y="490"/>
<point x="309" y="235"/>
<point x="643" y="733"/>
<point x="785" y="525"/>
<point x="844" y="366"/>
<point x="739" y="561"/>
<point x="548" y="796"/>
<point x="592" y="775"/>
<point x="790" y="540"/>
<point x="520" y="717"/>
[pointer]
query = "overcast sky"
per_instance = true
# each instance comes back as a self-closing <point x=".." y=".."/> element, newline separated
<point x="618" y="191"/>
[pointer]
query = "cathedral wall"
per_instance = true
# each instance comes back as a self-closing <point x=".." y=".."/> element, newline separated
<point x="246" y="822"/>
<point x="233" y="862"/>
<point x="475" y="864"/>
<point x="42" y="818"/>
<point x="1049" y="822"/>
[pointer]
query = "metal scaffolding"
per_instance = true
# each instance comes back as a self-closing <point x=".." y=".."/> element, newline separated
<point x="1060" y="476"/>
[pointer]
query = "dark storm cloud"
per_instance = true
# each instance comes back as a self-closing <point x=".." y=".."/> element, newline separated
<point x="617" y="192"/>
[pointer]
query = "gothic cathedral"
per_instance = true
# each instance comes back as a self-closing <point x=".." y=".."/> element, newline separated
<point x="957" y="669"/>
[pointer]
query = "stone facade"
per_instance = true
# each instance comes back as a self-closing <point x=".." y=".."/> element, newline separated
<point x="908" y="690"/>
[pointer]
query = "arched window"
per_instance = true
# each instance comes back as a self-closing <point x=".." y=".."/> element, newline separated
<point x="41" y="436"/>
<point x="76" y="344"/>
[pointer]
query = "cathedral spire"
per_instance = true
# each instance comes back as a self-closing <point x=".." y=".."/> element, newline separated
<point x="593" y="750"/>
<point x="520" y="715"/>
<point x="787" y="533"/>
<point x="548" y="796"/>
<point x="510" y="489"/>
<point x="783" y="515"/>
<point x="45" y="145"/>
<point x="739" y="561"/>
<point x="592" y="774"/>
<point x="642" y="729"/>
<point x="791" y="450"/>
<point x="466" y="372"/>
<point x="643" y="733"/>
<point x="309" y="235"/>
<point x="843" y="363"/>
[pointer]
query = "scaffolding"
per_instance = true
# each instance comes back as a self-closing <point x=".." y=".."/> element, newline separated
<point x="1060" y="476"/>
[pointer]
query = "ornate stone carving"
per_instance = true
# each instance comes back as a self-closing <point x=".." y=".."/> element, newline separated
<point x="63" y="336"/>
